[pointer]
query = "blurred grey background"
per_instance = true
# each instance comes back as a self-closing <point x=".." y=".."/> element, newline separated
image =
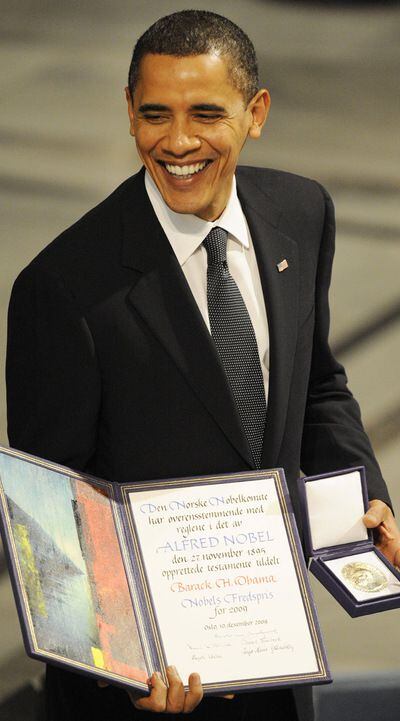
<point x="333" y="71"/>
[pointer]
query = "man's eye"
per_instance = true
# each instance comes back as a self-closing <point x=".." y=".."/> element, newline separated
<point x="208" y="116"/>
<point x="154" y="118"/>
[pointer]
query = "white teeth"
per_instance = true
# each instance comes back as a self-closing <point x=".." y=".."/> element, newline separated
<point x="185" y="169"/>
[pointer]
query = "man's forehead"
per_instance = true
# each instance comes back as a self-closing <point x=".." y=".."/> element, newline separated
<point x="198" y="79"/>
<point x="206" y="67"/>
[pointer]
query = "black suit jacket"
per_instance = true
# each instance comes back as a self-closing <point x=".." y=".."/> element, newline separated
<point x="111" y="368"/>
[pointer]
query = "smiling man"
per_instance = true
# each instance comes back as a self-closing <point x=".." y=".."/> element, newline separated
<point x="181" y="326"/>
<point x="190" y="122"/>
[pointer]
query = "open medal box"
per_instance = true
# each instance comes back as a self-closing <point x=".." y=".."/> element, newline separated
<point x="341" y="549"/>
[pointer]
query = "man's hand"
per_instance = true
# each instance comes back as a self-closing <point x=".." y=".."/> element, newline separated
<point x="387" y="533"/>
<point x="171" y="698"/>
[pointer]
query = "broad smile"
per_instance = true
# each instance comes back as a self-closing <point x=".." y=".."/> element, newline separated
<point x="184" y="173"/>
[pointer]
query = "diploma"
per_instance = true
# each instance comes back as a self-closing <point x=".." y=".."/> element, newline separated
<point x="226" y="579"/>
<point x="117" y="581"/>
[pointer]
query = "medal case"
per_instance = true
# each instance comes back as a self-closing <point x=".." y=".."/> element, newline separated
<point x="337" y="541"/>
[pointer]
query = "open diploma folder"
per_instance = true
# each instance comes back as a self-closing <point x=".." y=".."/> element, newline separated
<point x="119" y="580"/>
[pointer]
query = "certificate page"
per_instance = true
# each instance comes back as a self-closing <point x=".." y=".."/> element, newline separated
<point x="223" y="583"/>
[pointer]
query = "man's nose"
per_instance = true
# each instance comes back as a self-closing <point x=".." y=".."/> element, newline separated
<point x="180" y="139"/>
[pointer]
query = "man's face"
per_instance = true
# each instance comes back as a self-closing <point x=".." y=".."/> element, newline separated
<point x="190" y="124"/>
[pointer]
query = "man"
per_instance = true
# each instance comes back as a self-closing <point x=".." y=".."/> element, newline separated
<point x="139" y="345"/>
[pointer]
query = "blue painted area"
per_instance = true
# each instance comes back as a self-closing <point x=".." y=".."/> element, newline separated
<point x="41" y="500"/>
<point x="47" y="496"/>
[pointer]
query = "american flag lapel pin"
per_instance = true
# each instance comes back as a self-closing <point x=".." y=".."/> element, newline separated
<point x="282" y="265"/>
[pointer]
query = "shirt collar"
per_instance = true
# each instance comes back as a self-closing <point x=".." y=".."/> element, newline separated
<point x="186" y="232"/>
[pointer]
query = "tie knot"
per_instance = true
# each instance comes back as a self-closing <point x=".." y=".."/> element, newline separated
<point x="215" y="245"/>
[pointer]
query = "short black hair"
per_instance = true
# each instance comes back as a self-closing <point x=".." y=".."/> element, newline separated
<point x="198" y="32"/>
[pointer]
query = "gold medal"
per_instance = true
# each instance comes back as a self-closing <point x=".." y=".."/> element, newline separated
<point x="364" y="577"/>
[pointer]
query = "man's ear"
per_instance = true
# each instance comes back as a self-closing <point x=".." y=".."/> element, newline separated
<point x="130" y="111"/>
<point x="259" y="108"/>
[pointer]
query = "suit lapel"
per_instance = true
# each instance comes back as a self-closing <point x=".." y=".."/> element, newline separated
<point x="281" y="302"/>
<point x="162" y="298"/>
<point x="164" y="301"/>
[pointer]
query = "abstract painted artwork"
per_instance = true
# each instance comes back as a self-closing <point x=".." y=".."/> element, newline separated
<point x="70" y="569"/>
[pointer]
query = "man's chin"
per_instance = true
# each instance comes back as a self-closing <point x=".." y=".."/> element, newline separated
<point x="186" y="196"/>
<point x="185" y="205"/>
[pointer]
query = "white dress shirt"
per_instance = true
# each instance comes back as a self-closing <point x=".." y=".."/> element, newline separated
<point x="186" y="234"/>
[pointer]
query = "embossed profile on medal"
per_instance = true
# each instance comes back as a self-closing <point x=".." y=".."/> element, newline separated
<point x="365" y="576"/>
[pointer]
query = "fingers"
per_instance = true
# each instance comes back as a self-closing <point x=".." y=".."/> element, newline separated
<point x="376" y="514"/>
<point x="171" y="699"/>
<point x="176" y="692"/>
<point x="194" y="694"/>
<point x="380" y="517"/>
<point x="102" y="684"/>
<point x="156" y="701"/>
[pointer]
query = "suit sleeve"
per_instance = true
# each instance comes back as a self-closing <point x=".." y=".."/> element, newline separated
<point x="333" y="434"/>
<point x="53" y="381"/>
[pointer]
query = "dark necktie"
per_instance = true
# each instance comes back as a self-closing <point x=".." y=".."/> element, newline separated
<point x="235" y="340"/>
